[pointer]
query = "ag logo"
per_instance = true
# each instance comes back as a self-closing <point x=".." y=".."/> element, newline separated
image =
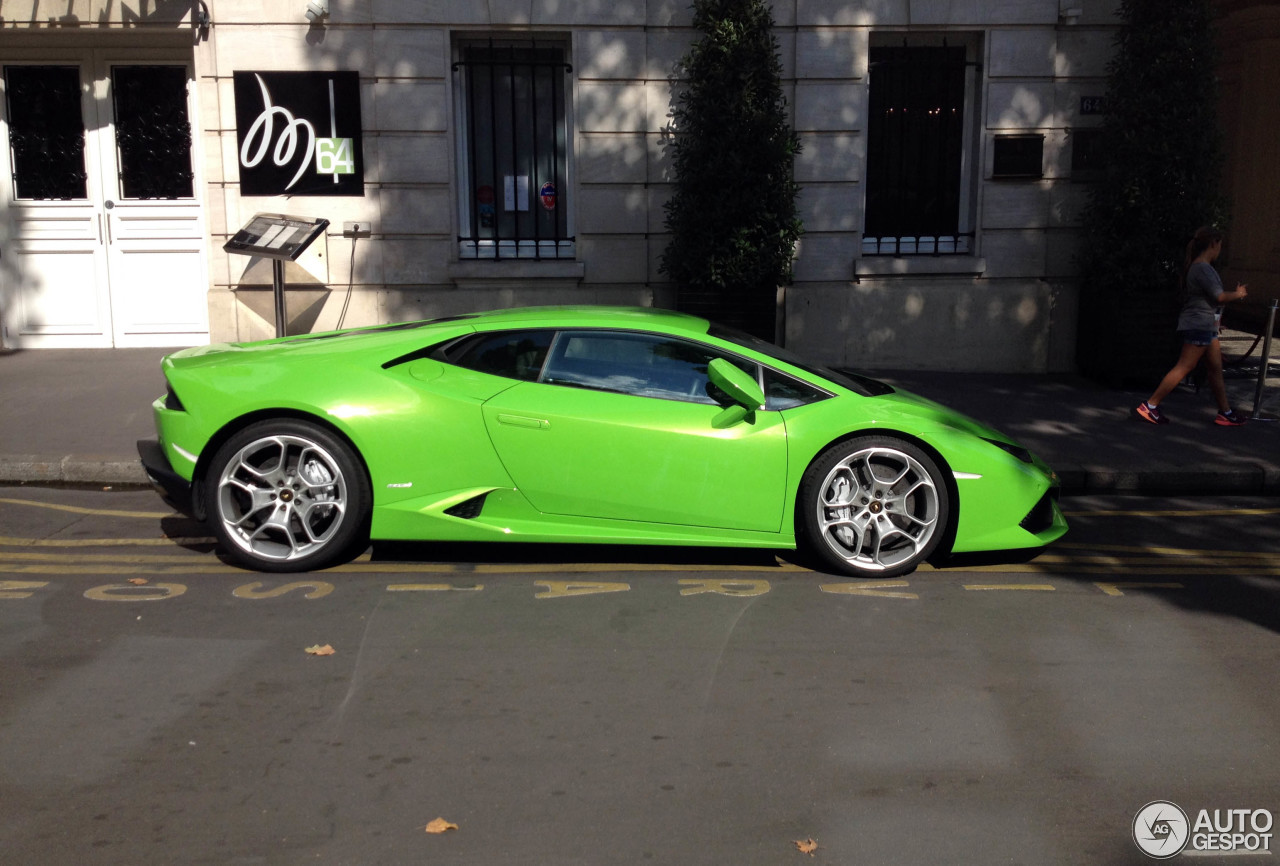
<point x="1160" y="829"/>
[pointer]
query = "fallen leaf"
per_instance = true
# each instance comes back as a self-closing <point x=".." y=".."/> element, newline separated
<point x="440" y="825"/>
<point x="138" y="581"/>
<point x="318" y="650"/>
<point x="806" y="846"/>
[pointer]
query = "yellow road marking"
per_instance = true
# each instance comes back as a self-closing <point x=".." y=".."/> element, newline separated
<point x="202" y="564"/>
<point x="1164" y="551"/>
<point x="63" y="556"/>
<point x="583" y="567"/>
<point x="73" y="569"/>
<point x="568" y="588"/>
<point x="1159" y="569"/>
<point x="199" y="565"/>
<point x="736" y="588"/>
<point x="1034" y="587"/>
<point x="317" y="589"/>
<point x="19" y="588"/>
<point x="1206" y="562"/>
<point x="100" y="512"/>
<point x="1115" y="588"/>
<point x="16" y="556"/>
<point x="1197" y="512"/>
<point x="877" y="589"/>
<point x="7" y="541"/>
<point x="433" y="587"/>
<point x="128" y="592"/>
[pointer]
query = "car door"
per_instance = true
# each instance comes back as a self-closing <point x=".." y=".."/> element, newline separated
<point x="620" y="426"/>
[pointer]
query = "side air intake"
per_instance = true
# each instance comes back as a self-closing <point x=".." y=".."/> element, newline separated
<point x="468" y="509"/>
<point x="1040" y="517"/>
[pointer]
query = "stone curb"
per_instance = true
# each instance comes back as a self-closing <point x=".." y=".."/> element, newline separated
<point x="88" y="469"/>
<point x="1081" y="481"/>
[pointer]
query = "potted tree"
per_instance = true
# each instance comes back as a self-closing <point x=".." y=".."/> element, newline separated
<point x="1159" y="183"/>
<point x="732" y="215"/>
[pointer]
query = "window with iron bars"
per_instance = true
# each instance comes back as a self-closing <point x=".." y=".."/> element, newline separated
<point x="513" y="150"/>
<point x="920" y="150"/>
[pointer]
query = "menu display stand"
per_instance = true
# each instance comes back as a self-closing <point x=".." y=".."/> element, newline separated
<point x="282" y="239"/>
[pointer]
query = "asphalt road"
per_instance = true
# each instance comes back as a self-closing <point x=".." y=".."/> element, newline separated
<point x="604" y="705"/>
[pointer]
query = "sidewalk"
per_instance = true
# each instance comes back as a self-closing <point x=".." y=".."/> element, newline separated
<point x="73" y="417"/>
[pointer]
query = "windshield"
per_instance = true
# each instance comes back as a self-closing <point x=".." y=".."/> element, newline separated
<point x="847" y="379"/>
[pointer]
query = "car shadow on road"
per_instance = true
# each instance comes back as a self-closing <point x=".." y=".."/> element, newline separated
<point x="514" y="553"/>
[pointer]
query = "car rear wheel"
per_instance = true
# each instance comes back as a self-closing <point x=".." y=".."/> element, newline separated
<point x="873" y="507"/>
<point x="287" y="495"/>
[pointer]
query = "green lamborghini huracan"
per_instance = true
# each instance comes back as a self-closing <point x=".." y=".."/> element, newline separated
<point x="578" y="424"/>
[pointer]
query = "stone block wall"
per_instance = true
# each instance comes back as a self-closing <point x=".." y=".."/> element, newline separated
<point x="1008" y="306"/>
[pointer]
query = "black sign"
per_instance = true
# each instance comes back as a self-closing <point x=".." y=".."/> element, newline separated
<point x="276" y="236"/>
<point x="299" y="133"/>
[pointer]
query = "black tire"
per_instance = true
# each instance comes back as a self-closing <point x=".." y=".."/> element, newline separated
<point x="874" y="506"/>
<point x="287" y="495"/>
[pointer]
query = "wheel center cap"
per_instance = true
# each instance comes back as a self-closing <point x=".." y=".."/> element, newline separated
<point x="286" y="495"/>
<point x="876" y="507"/>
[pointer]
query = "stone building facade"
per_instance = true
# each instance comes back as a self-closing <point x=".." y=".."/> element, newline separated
<point x="958" y="256"/>
<point x="1249" y="43"/>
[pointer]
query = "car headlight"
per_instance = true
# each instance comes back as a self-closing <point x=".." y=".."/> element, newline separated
<point x="1016" y="450"/>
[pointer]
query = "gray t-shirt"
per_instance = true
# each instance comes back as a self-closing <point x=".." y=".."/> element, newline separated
<point x="1201" y="309"/>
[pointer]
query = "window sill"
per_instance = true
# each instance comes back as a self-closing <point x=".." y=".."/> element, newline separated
<point x="504" y="272"/>
<point x="925" y="265"/>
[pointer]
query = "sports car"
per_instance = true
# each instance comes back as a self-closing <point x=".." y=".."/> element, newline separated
<point x="578" y="424"/>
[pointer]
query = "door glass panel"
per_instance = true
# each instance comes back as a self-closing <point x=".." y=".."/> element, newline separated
<point x="46" y="132"/>
<point x="513" y="354"/>
<point x="153" y="132"/>
<point x="643" y="365"/>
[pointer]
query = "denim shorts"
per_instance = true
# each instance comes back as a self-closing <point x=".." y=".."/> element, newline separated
<point x="1198" y="338"/>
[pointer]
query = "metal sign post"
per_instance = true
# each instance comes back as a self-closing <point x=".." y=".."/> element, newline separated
<point x="279" y="238"/>
<point x="1266" y="362"/>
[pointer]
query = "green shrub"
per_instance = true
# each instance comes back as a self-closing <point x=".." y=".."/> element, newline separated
<point x="732" y="215"/>
<point x="1160" y="183"/>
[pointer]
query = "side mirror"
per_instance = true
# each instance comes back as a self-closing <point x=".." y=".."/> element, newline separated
<point x="741" y="388"/>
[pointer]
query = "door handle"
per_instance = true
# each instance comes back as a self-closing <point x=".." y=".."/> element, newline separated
<point x="524" y="421"/>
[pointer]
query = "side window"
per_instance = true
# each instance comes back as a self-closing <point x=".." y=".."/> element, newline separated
<point x="513" y="354"/>
<point x="783" y="392"/>
<point x="643" y="365"/>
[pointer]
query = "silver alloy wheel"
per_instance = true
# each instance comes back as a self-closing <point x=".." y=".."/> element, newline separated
<point x="877" y="509"/>
<point x="281" y="498"/>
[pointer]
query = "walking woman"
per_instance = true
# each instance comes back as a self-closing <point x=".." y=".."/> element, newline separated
<point x="1198" y="327"/>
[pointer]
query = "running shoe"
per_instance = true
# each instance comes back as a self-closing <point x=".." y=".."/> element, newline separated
<point x="1152" y="414"/>
<point x="1229" y="418"/>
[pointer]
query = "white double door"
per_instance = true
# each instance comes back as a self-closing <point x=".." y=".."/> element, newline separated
<point x="112" y="254"/>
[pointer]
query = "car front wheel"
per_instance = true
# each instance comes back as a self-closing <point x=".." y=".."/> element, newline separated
<point x="287" y="495"/>
<point x="873" y="507"/>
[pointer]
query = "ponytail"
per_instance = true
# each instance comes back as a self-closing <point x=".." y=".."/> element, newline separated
<point x="1205" y="237"/>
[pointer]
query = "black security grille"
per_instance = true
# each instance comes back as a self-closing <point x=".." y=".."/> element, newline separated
<point x="46" y="132"/>
<point x="915" y="151"/>
<point x="153" y="132"/>
<point x="517" y="143"/>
